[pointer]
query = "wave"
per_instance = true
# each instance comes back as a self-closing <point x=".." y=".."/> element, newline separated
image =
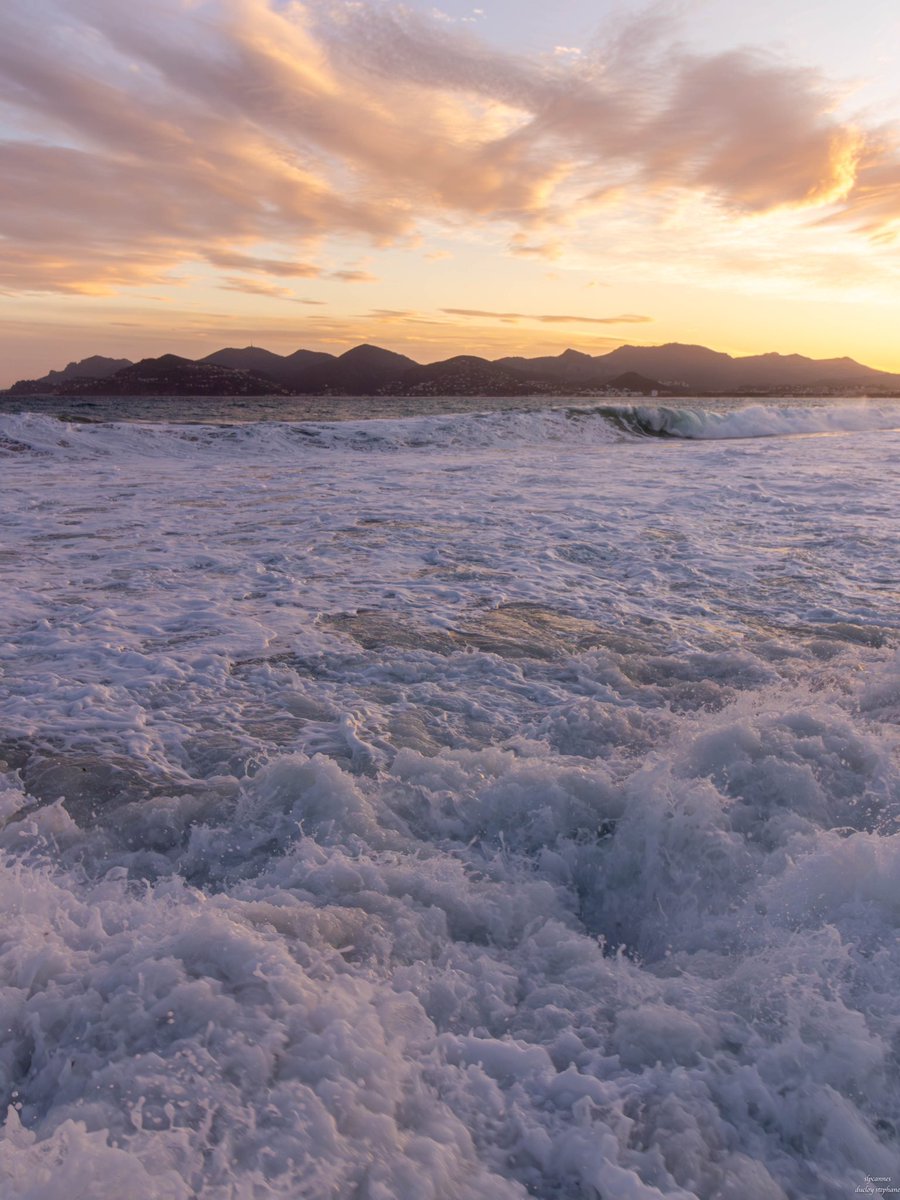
<point x="47" y="435"/>
<point x="39" y="434"/>
<point x="754" y="421"/>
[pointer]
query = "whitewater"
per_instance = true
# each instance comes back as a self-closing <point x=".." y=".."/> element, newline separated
<point x="463" y="806"/>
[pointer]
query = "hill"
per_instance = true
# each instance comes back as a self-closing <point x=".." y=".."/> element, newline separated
<point x="701" y="369"/>
<point x="361" y="371"/>
<point x="288" y="370"/>
<point x="680" y="369"/>
<point x="672" y="369"/>
<point x="171" y="375"/>
<point x="95" y="367"/>
<point x="463" y="375"/>
<point x="630" y="381"/>
<point x="572" y="367"/>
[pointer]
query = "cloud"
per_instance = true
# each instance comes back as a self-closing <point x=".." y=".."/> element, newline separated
<point x="246" y="133"/>
<point x="873" y="204"/>
<point x="353" y="276"/>
<point x="403" y="317"/>
<point x="469" y="19"/>
<point x="550" y="249"/>
<point x="754" y="132"/>
<point x="548" y="318"/>
<point x="266" y="266"/>
<point x="255" y="287"/>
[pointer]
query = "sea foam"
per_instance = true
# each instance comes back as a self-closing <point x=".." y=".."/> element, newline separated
<point x="445" y="821"/>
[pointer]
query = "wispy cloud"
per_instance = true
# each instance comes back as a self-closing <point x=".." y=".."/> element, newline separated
<point x="154" y="136"/>
<point x="260" y="287"/>
<point x="353" y="276"/>
<point x="548" y="318"/>
<point x="265" y="266"/>
<point x="524" y="247"/>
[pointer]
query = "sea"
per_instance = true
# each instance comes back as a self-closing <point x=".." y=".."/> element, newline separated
<point x="448" y="800"/>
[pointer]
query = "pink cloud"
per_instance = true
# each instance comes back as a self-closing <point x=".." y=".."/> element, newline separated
<point x="353" y="276"/>
<point x="152" y="137"/>
<point x="549" y="318"/>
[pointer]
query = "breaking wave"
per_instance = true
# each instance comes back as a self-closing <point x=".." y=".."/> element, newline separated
<point x="576" y="425"/>
<point x="754" y="421"/>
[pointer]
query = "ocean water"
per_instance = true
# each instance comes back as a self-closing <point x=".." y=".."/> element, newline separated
<point x="451" y="807"/>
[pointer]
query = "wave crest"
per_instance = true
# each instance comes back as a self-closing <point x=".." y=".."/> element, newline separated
<point x="42" y="435"/>
<point x="754" y="421"/>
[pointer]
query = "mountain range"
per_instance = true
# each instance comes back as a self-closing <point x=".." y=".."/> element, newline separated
<point x="673" y="369"/>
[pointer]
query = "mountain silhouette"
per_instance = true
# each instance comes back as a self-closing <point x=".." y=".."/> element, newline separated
<point x="171" y="375"/>
<point x="462" y="375"/>
<point x="358" y="372"/>
<point x="95" y="367"/>
<point x="571" y="366"/>
<point x="285" y="369"/>
<point x="672" y="369"/>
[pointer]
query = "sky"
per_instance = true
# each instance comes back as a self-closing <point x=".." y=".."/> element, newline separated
<point x="510" y="177"/>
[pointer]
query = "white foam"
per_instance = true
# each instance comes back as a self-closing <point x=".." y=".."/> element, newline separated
<point x="760" y="420"/>
<point x="572" y="873"/>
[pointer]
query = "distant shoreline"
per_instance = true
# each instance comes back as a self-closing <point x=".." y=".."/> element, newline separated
<point x="254" y="374"/>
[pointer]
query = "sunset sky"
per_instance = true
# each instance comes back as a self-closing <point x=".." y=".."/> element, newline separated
<point x="516" y="177"/>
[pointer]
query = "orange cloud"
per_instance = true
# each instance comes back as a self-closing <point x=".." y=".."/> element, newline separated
<point x="173" y="133"/>
<point x="352" y="276"/>
<point x="266" y="266"/>
<point x="255" y="287"/>
<point x="549" y="318"/>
